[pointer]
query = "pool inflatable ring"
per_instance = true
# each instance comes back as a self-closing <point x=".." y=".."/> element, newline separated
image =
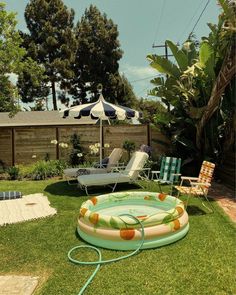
<point x="163" y="216"/>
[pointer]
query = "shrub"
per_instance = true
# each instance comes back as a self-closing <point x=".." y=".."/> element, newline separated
<point x="129" y="146"/>
<point x="13" y="172"/>
<point x="76" y="156"/>
<point x="47" y="169"/>
<point x="25" y="170"/>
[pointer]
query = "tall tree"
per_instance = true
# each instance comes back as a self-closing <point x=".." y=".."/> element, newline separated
<point x="97" y="57"/>
<point x="51" y="41"/>
<point x="12" y="60"/>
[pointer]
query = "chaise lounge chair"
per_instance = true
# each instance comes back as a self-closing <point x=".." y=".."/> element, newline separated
<point x="107" y="165"/>
<point x="129" y="175"/>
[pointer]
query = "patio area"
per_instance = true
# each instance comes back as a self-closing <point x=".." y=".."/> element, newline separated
<point x="225" y="198"/>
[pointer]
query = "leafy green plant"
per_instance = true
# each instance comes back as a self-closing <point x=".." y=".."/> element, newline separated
<point x="46" y="169"/>
<point x="13" y="172"/>
<point x="198" y="92"/>
<point x="76" y="156"/>
<point x="129" y="146"/>
<point x="25" y="171"/>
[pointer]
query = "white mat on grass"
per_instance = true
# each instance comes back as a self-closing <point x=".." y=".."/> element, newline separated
<point x="28" y="207"/>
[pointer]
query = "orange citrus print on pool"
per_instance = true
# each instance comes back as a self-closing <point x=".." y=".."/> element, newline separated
<point x="180" y="210"/>
<point x="127" y="234"/>
<point x="141" y="217"/>
<point x="162" y="197"/>
<point x="176" y="224"/>
<point x="93" y="218"/>
<point x="94" y="200"/>
<point x="82" y="212"/>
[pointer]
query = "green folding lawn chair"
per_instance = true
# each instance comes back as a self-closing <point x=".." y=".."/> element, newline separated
<point x="169" y="172"/>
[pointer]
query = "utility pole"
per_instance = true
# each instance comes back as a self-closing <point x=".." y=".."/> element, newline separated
<point x="166" y="55"/>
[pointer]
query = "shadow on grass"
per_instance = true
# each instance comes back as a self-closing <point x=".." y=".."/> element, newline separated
<point x="195" y="210"/>
<point x="62" y="188"/>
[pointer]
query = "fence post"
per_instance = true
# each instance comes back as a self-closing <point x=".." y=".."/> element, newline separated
<point x="57" y="145"/>
<point x="13" y="146"/>
<point x="148" y="135"/>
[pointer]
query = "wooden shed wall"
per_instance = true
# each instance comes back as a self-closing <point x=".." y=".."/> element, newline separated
<point x="25" y="145"/>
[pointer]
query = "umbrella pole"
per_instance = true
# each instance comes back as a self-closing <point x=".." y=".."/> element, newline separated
<point x="101" y="143"/>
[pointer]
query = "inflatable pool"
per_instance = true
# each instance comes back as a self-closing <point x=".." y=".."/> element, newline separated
<point x="163" y="217"/>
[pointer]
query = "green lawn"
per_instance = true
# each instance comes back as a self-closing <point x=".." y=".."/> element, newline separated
<point x="201" y="263"/>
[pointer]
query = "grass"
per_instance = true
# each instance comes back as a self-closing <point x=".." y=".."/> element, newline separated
<point x="201" y="263"/>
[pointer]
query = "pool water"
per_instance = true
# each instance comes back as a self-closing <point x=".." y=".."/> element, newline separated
<point x="136" y="210"/>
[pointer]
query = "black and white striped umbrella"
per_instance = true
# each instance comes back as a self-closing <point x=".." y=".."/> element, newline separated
<point x="101" y="110"/>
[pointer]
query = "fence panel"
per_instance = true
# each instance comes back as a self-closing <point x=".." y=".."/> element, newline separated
<point x="160" y="143"/>
<point x="33" y="144"/>
<point x="6" y="146"/>
<point x="25" y="145"/>
<point x="116" y="135"/>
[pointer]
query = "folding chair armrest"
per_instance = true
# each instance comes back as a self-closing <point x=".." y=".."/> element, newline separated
<point x="189" y="178"/>
<point x="154" y="171"/>
<point x="177" y="174"/>
<point x="200" y="184"/>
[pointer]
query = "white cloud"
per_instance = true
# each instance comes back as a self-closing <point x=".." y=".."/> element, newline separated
<point x="139" y="77"/>
<point x="137" y="72"/>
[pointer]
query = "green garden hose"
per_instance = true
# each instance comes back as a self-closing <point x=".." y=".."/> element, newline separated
<point x="100" y="261"/>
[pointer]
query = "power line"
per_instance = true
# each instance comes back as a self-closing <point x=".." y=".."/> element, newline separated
<point x="208" y="1"/>
<point x="139" y="93"/>
<point x="189" y="22"/>
<point x="160" y="19"/>
<point x="144" y="78"/>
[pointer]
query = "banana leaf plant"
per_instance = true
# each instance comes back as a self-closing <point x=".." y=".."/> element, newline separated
<point x="198" y="117"/>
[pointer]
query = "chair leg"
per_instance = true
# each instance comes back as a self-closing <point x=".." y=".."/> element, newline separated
<point x="211" y="209"/>
<point x="114" y="187"/>
<point x="186" y="204"/>
<point x="86" y="190"/>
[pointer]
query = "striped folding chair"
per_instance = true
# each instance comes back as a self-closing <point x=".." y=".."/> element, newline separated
<point x="198" y="186"/>
<point x="169" y="172"/>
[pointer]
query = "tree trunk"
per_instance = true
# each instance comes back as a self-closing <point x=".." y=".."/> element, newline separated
<point x="54" y="98"/>
<point x="227" y="72"/>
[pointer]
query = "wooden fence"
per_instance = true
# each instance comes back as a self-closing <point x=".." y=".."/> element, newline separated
<point x="226" y="171"/>
<point x="25" y="145"/>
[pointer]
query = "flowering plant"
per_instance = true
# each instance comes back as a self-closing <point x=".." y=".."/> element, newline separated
<point x="94" y="148"/>
<point x="61" y="144"/>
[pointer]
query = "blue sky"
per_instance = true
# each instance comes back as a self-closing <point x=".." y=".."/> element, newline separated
<point x="142" y="23"/>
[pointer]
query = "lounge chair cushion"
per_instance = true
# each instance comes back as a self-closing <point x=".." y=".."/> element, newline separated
<point x="110" y="162"/>
<point x="130" y="173"/>
<point x="103" y="179"/>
